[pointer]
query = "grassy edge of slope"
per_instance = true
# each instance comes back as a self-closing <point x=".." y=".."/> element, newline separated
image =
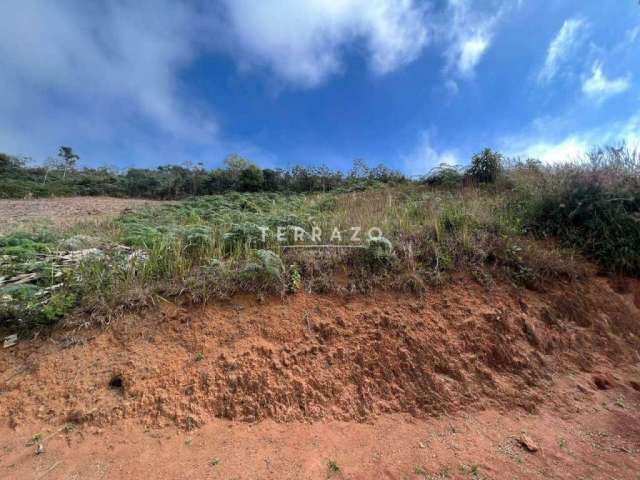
<point x="505" y="225"/>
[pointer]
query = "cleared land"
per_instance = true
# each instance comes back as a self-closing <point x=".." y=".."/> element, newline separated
<point x="62" y="212"/>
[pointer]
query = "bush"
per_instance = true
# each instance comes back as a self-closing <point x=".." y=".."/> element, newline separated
<point x="445" y="176"/>
<point x="595" y="206"/>
<point x="265" y="272"/>
<point x="485" y="167"/>
<point x="378" y="253"/>
<point x="603" y="222"/>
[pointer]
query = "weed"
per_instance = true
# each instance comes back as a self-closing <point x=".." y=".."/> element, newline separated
<point x="69" y="427"/>
<point x="444" y="472"/>
<point x="420" y="471"/>
<point x="214" y="462"/>
<point x="295" y="279"/>
<point x="473" y="469"/>
<point x="35" y="439"/>
<point x="332" y="468"/>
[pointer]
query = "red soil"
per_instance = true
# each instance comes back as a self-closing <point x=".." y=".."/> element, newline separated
<point x="448" y="381"/>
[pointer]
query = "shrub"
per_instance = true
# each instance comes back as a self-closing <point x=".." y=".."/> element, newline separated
<point x="603" y="222"/>
<point x="485" y="167"/>
<point x="445" y="176"/>
<point x="378" y="253"/>
<point x="595" y="206"/>
<point x="265" y="272"/>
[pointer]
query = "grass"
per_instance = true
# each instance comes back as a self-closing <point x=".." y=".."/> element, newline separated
<point x="332" y="468"/>
<point x="420" y="471"/>
<point x="212" y="247"/>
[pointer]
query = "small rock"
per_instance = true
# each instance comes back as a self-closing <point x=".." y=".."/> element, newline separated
<point x="10" y="340"/>
<point x="528" y="443"/>
<point x="39" y="449"/>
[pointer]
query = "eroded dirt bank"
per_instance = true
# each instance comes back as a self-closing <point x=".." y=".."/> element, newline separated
<point x="173" y="389"/>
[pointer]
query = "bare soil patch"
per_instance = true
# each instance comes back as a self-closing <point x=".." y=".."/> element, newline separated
<point x="63" y="211"/>
<point x="385" y="386"/>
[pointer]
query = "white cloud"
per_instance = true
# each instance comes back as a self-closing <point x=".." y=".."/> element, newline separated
<point x="599" y="87"/>
<point x="471" y="52"/>
<point x="304" y="42"/>
<point x="543" y="146"/>
<point x="632" y="35"/>
<point x="571" y="148"/>
<point x="73" y="71"/>
<point x="452" y="87"/>
<point x="425" y="157"/>
<point x="469" y="35"/>
<point x="561" y="48"/>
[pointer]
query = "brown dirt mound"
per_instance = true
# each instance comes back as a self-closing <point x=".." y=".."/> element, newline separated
<point x="311" y="357"/>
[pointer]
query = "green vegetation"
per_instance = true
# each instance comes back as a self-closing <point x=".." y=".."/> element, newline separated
<point x="60" y="177"/>
<point x="496" y="221"/>
<point x="595" y="207"/>
<point x="332" y="468"/>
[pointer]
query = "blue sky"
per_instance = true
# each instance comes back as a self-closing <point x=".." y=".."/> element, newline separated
<point x="407" y="83"/>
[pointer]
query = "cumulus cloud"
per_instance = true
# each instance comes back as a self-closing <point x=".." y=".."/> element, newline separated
<point x="304" y="42"/>
<point x="426" y="156"/>
<point x="599" y="87"/>
<point x="561" y="48"/>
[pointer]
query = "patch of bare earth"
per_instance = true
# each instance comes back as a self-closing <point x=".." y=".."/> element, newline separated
<point x="464" y="383"/>
<point x="63" y="211"/>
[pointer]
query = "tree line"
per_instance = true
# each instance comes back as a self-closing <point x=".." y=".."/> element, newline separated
<point x="60" y="176"/>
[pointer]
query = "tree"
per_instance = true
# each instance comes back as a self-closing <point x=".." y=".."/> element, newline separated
<point x="272" y="179"/>
<point x="359" y="170"/>
<point x="68" y="158"/>
<point x="9" y="163"/>
<point x="251" y="179"/>
<point x="50" y="164"/>
<point x="235" y="163"/>
<point x="485" y="166"/>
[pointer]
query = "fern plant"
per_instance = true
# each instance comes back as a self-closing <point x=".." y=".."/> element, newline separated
<point x="265" y="272"/>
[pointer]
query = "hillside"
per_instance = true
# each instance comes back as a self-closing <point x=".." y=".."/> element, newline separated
<point x="487" y="321"/>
